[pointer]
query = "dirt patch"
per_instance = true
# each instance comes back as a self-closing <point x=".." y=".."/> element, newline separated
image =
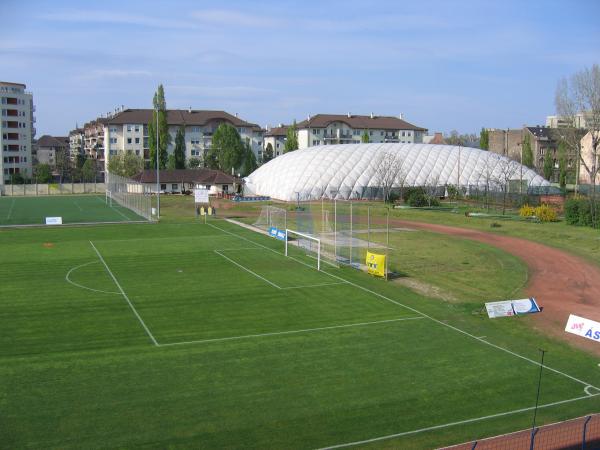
<point x="48" y="245"/>
<point x="562" y="283"/>
<point x="425" y="289"/>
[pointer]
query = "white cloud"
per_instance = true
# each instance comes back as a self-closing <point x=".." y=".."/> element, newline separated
<point x="115" y="18"/>
<point x="225" y="92"/>
<point x="118" y="73"/>
<point x="234" y="18"/>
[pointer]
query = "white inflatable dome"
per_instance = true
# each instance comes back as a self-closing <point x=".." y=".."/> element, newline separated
<point x="356" y="170"/>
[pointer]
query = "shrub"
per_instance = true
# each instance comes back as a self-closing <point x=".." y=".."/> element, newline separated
<point x="545" y="213"/>
<point x="578" y="212"/>
<point x="527" y="211"/>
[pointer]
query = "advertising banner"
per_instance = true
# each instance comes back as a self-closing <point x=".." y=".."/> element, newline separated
<point x="277" y="233"/>
<point x="507" y="308"/>
<point x="53" y="220"/>
<point x="375" y="264"/>
<point x="201" y="195"/>
<point x="583" y="327"/>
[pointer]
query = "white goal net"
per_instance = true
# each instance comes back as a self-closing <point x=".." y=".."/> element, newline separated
<point x="304" y="246"/>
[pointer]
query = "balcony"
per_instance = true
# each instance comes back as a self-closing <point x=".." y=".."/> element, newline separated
<point x="12" y="148"/>
<point x="12" y="112"/>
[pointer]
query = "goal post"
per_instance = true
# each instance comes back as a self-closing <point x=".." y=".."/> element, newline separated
<point x="305" y="241"/>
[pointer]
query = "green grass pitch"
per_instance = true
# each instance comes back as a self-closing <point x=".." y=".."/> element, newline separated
<point x="72" y="208"/>
<point x="206" y="336"/>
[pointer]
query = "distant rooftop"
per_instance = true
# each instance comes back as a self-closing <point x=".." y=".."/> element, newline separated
<point x="359" y="122"/>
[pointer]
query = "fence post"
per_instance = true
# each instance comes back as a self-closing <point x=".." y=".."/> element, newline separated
<point x="533" y="433"/>
<point x="585" y="424"/>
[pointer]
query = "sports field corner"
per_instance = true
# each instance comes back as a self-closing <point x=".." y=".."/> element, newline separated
<point x="240" y="346"/>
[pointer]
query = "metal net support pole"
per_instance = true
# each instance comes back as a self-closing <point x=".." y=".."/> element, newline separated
<point x="387" y="243"/>
<point x="350" y="243"/>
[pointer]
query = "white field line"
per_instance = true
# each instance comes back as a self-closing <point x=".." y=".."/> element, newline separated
<point x="81" y="285"/>
<point x="113" y="208"/>
<point x="124" y="295"/>
<point x="324" y="260"/>
<point x="280" y="333"/>
<point x="587" y="391"/>
<point x="422" y="314"/>
<point x="180" y="238"/>
<point x="246" y="269"/>
<point x="313" y="285"/>
<point x="77" y="204"/>
<point x="12" y="205"/>
<point x="451" y="424"/>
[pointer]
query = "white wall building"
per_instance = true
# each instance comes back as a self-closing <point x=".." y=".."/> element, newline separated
<point x="128" y="131"/>
<point x="276" y="136"/>
<point x="16" y="131"/>
<point x="328" y="129"/>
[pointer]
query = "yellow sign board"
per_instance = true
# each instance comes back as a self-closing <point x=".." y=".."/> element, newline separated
<point x="376" y="264"/>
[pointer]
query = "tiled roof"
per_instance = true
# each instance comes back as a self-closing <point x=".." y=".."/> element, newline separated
<point x="200" y="176"/>
<point x="179" y="117"/>
<point x="359" y="122"/>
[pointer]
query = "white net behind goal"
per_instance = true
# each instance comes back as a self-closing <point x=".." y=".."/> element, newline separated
<point x="130" y="194"/>
<point x="271" y="216"/>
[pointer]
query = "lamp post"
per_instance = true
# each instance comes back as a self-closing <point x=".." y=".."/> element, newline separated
<point x="157" y="171"/>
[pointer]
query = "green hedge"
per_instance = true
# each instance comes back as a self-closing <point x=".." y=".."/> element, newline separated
<point x="578" y="212"/>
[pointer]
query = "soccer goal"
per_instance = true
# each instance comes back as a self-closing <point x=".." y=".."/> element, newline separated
<point x="305" y="243"/>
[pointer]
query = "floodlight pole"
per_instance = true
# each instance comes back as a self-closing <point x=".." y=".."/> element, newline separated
<point x="157" y="171"/>
<point x="537" y="399"/>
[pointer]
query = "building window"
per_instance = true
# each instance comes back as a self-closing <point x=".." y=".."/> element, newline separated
<point x="137" y="140"/>
<point x="174" y="186"/>
<point x="128" y="127"/>
<point x="113" y="140"/>
<point x="195" y="141"/>
<point x="113" y="129"/>
<point x="137" y="128"/>
<point x="137" y="152"/>
<point x="371" y="133"/>
<point x="129" y="140"/>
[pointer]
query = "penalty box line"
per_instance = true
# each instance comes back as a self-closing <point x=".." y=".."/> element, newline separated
<point x="280" y="333"/>
<point x="510" y="352"/>
<point x="241" y="266"/>
<point x="125" y="296"/>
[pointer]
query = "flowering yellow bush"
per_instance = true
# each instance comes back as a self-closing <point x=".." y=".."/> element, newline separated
<point x="527" y="211"/>
<point x="545" y="213"/>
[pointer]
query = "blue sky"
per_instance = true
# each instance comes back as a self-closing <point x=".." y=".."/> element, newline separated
<point x="443" y="64"/>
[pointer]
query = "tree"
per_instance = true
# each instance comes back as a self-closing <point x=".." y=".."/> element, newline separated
<point x="527" y="152"/>
<point x="194" y="163"/>
<point x="63" y="165"/>
<point x="43" y="173"/>
<point x="484" y="139"/>
<point x="581" y="94"/>
<point x="249" y="163"/>
<point x="365" y="139"/>
<point x="17" y="178"/>
<point x="291" y="141"/>
<point x="226" y="151"/>
<point x="171" y="162"/>
<point x="164" y="137"/>
<point x="89" y="170"/>
<point x="389" y="170"/>
<point x="548" y="168"/>
<point x="179" y="152"/>
<point x="267" y="153"/>
<point x="464" y="140"/>
<point x="126" y="164"/>
<point x="431" y="187"/>
<point x="562" y="164"/>
<point x="505" y="171"/>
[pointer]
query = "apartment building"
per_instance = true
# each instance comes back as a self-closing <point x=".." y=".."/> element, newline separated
<point x="506" y="142"/>
<point x="49" y="147"/>
<point x="580" y="120"/>
<point x="276" y="136"/>
<point x="76" y="143"/>
<point x="588" y="154"/>
<point x="127" y="130"/>
<point x="16" y="131"/>
<point x="327" y="129"/>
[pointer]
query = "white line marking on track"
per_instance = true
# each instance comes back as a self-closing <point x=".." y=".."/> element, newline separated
<point x="10" y="209"/>
<point x="81" y="285"/>
<point x="418" y="312"/>
<point x="279" y="333"/>
<point x="451" y="424"/>
<point x="124" y="295"/>
<point x="246" y="269"/>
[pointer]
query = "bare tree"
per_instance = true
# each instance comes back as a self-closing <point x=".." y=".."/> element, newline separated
<point x="580" y="94"/>
<point x="505" y="171"/>
<point x="389" y="170"/>
<point x="431" y="187"/>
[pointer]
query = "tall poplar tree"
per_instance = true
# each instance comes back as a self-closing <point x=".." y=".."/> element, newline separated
<point x="291" y="141"/>
<point x="164" y="137"/>
<point x="179" y="152"/>
<point x="527" y="156"/>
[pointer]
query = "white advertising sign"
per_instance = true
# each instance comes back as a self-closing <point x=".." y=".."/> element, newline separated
<point x="507" y="308"/>
<point x="583" y="327"/>
<point x="53" y="220"/>
<point x="201" y="195"/>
